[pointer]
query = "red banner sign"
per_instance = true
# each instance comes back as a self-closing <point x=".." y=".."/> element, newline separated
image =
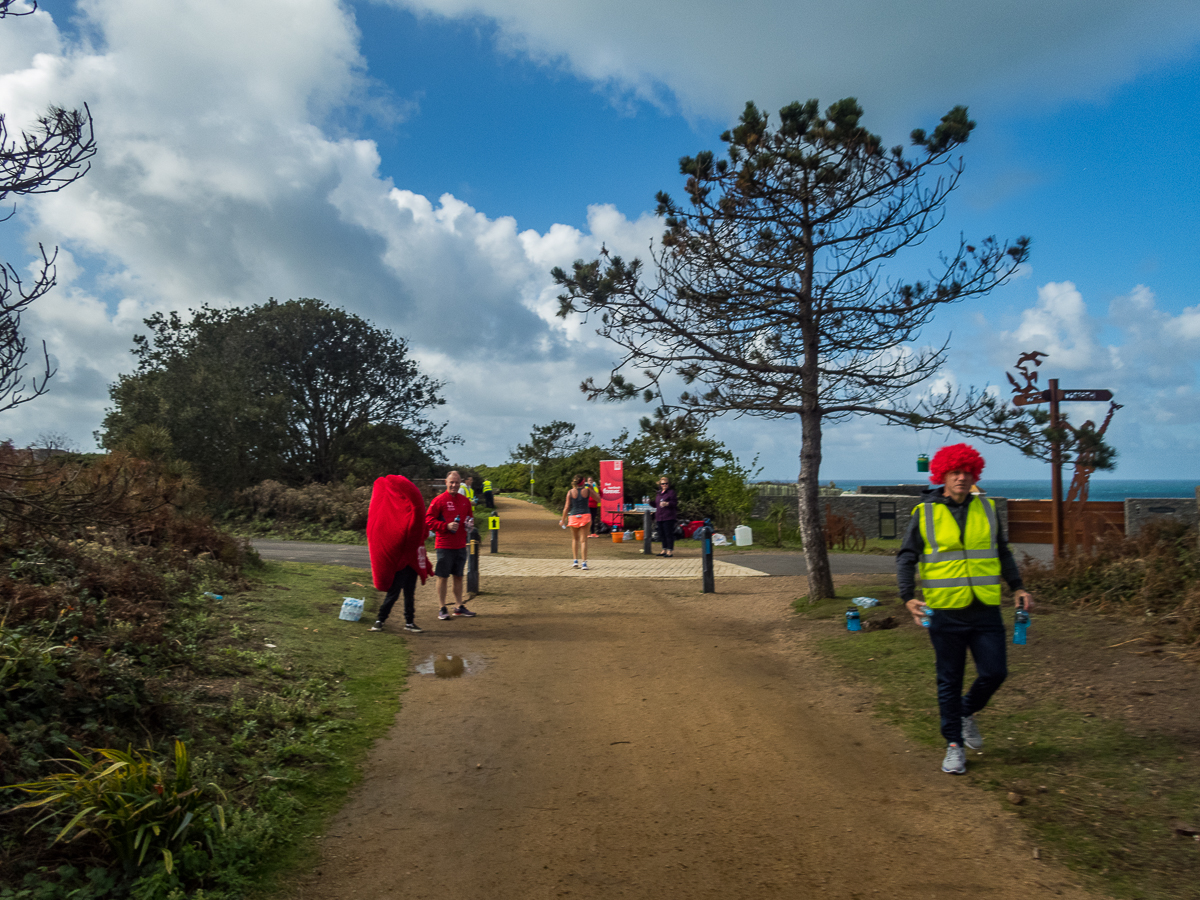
<point x="612" y="492"/>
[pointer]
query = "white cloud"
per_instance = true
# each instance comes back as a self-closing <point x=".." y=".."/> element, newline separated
<point x="1149" y="360"/>
<point x="714" y="55"/>
<point x="1060" y="326"/>
<point x="215" y="182"/>
<point x="219" y="181"/>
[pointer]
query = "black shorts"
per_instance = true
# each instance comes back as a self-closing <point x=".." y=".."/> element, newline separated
<point x="450" y="562"/>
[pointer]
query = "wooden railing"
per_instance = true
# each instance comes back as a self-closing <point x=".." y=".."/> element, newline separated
<point x="1029" y="520"/>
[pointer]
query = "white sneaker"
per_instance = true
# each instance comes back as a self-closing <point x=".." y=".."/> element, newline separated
<point x="574" y="564"/>
<point x="584" y="566"/>
<point x="970" y="732"/>
<point x="955" y="762"/>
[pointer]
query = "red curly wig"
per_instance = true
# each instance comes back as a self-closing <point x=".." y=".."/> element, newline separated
<point x="952" y="458"/>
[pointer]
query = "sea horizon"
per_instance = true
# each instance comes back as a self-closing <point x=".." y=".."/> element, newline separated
<point x="1039" y="489"/>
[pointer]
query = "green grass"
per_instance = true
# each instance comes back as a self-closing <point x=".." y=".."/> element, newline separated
<point x="1095" y="795"/>
<point x="295" y="607"/>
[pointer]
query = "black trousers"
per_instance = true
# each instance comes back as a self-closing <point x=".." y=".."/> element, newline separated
<point x="405" y="580"/>
<point x="666" y="534"/>
<point x="979" y="629"/>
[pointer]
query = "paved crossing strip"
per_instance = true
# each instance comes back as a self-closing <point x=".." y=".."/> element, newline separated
<point x="512" y="566"/>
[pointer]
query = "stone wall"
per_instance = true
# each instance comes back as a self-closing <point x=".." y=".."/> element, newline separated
<point x="1141" y="510"/>
<point x="863" y="508"/>
<point x="870" y="512"/>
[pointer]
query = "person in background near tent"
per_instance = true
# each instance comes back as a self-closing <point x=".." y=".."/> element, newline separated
<point x="956" y="544"/>
<point x="594" y="507"/>
<point x="666" y="509"/>
<point x="468" y="489"/>
<point x="450" y="517"/>
<point x="488" y="499"/>
<point x="576" y="514"/>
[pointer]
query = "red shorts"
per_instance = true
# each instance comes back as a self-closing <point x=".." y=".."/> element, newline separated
<point x="580" y="521"/>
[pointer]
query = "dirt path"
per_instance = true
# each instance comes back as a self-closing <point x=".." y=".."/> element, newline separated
<point x="636" y="738"/>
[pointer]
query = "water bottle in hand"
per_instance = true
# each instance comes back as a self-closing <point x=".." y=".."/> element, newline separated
<point x="1022" y="623"/>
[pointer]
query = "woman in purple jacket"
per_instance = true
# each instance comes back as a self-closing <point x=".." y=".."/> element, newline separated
<point x="666" y="506"/>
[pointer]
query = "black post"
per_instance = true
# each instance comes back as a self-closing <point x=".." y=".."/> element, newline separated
<point x="706" y="558"/>
<point x="473" y="563"/>
<point x="494" y="527"/>
<point x="647" y="525"/>
<point x="1056" y="492"/>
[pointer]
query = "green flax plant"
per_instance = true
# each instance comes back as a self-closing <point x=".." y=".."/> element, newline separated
<point x="134" y="803"/>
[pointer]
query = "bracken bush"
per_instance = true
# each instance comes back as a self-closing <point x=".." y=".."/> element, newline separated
<point x="332" y="506"/>
<point x="103" y="565"/>
<point x="1154" y="576"/>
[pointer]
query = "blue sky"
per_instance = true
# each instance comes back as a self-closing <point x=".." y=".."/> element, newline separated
<point x="424" y="163"/>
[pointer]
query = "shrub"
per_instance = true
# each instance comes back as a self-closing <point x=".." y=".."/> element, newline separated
<point x="1155" y="575"/>
<point x="133" y="803"/>
<point x="341" y="506"/>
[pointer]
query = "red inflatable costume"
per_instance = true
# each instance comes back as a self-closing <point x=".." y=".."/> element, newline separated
<point x="396" y="530"/>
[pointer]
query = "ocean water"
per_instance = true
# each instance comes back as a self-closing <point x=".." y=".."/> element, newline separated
<point x="1099" y="489"/>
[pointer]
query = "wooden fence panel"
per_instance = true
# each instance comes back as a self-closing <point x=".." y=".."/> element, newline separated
<point x="1029" y="520"/>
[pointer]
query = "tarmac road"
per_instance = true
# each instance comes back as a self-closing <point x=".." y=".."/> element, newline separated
<point x="781" y="563"/>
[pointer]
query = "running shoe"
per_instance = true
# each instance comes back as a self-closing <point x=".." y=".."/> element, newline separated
<point x="574" y="564"/>
<point x="444" y="613"/>
<point x="955" y="762"/>
<point x="970" y="731"/>
<point x="584" y="566"/>
<point x="378" y="626"/>
<point x="462" y="611"/>
<point x="413" y="628"/>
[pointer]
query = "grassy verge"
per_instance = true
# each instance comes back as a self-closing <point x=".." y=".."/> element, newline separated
<point x="294" y="607"/>
<point x="276" y="699"/>
<point x="1095" y="795"/>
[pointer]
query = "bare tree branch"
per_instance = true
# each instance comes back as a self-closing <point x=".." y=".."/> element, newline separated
<point x="769" y="294"/>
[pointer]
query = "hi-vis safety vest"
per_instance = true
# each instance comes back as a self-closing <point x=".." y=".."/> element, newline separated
<point x="959" y="564"/>
<point x="468" y="493"/>
<point x="487" y="486"/>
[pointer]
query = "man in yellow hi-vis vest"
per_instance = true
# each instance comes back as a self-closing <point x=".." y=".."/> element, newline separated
<point x="956" y="544"/>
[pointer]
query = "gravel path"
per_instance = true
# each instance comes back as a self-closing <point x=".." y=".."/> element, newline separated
<point x="598" y="738"/>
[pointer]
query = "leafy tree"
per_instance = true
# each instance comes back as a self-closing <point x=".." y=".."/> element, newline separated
<point x="677" y="446"/>
<point x="42" y="161"/>
<point x="549" y="442"/>
<point x="296" y="391"/>
<point x="768" y="291"/>
<point x="730" y="497"/>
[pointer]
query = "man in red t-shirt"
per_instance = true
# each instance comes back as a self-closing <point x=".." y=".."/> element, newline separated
<point x="450" y="518"/>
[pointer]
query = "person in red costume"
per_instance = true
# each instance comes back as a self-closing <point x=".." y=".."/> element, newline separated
<point x="450" y="518"/>
<point x="396" y="542"/>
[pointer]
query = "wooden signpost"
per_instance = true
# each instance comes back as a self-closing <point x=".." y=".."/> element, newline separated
<point x="1054" y="396"/>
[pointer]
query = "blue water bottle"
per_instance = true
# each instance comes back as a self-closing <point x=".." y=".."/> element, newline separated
<point x="853" y="620"/>
<point x="1022" y="622"/>
<point x="926" y="615"/>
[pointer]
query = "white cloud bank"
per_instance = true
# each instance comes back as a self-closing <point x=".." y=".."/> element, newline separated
<point x="713" y="55"/>
<point x="216" y="183"/>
